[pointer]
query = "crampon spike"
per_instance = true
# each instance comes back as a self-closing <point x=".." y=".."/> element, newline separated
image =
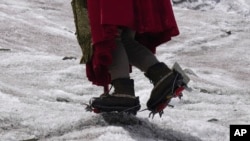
<point x="151" y="114"/>
<point x="160" y="107"/>
<point x="161" y="113"/>
<point x="88" y="108"/>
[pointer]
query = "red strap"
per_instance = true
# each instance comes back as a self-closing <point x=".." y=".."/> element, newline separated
<point x="95" y="110"/>
<point x="161" y="106"/>
<point x="178" y="92"/>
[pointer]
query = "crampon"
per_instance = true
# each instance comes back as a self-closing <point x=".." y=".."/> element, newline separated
<point x="113" y="104"/>
<point x="179" y="84"/>
<point x="165" y="103"/>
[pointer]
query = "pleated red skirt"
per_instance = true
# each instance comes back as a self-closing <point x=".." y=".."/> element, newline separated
<point x="153" y="21"/>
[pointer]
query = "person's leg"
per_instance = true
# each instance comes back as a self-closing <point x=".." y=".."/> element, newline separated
<point x="119" y="71"/>
<point x="138" y="55"/>
<point x="123" y="98"/>
<point x="120" y="64"/>
<point x="158" y="73"/>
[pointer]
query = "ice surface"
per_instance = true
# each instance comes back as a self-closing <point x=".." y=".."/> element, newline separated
<point x="41" y="94"/>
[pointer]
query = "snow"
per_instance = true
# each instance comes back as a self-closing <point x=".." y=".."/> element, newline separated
<point x="41" y="95"/>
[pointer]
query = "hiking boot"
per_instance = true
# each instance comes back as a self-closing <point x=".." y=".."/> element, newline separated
<point x="165" y="84"/>
<point x="122" y="100"/>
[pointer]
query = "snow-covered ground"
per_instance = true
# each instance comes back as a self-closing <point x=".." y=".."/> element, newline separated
<point x="41" y="94"/>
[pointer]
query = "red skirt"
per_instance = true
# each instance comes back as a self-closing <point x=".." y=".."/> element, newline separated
<point x="153" y="21"/>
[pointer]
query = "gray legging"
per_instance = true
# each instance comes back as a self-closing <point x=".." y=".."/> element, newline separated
<point x="129" y="51"/>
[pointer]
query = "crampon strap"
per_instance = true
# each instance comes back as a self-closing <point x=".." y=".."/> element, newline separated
<point x="178" y="92"/>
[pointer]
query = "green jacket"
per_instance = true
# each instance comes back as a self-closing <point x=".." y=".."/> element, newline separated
<point x="83" y="34"/>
